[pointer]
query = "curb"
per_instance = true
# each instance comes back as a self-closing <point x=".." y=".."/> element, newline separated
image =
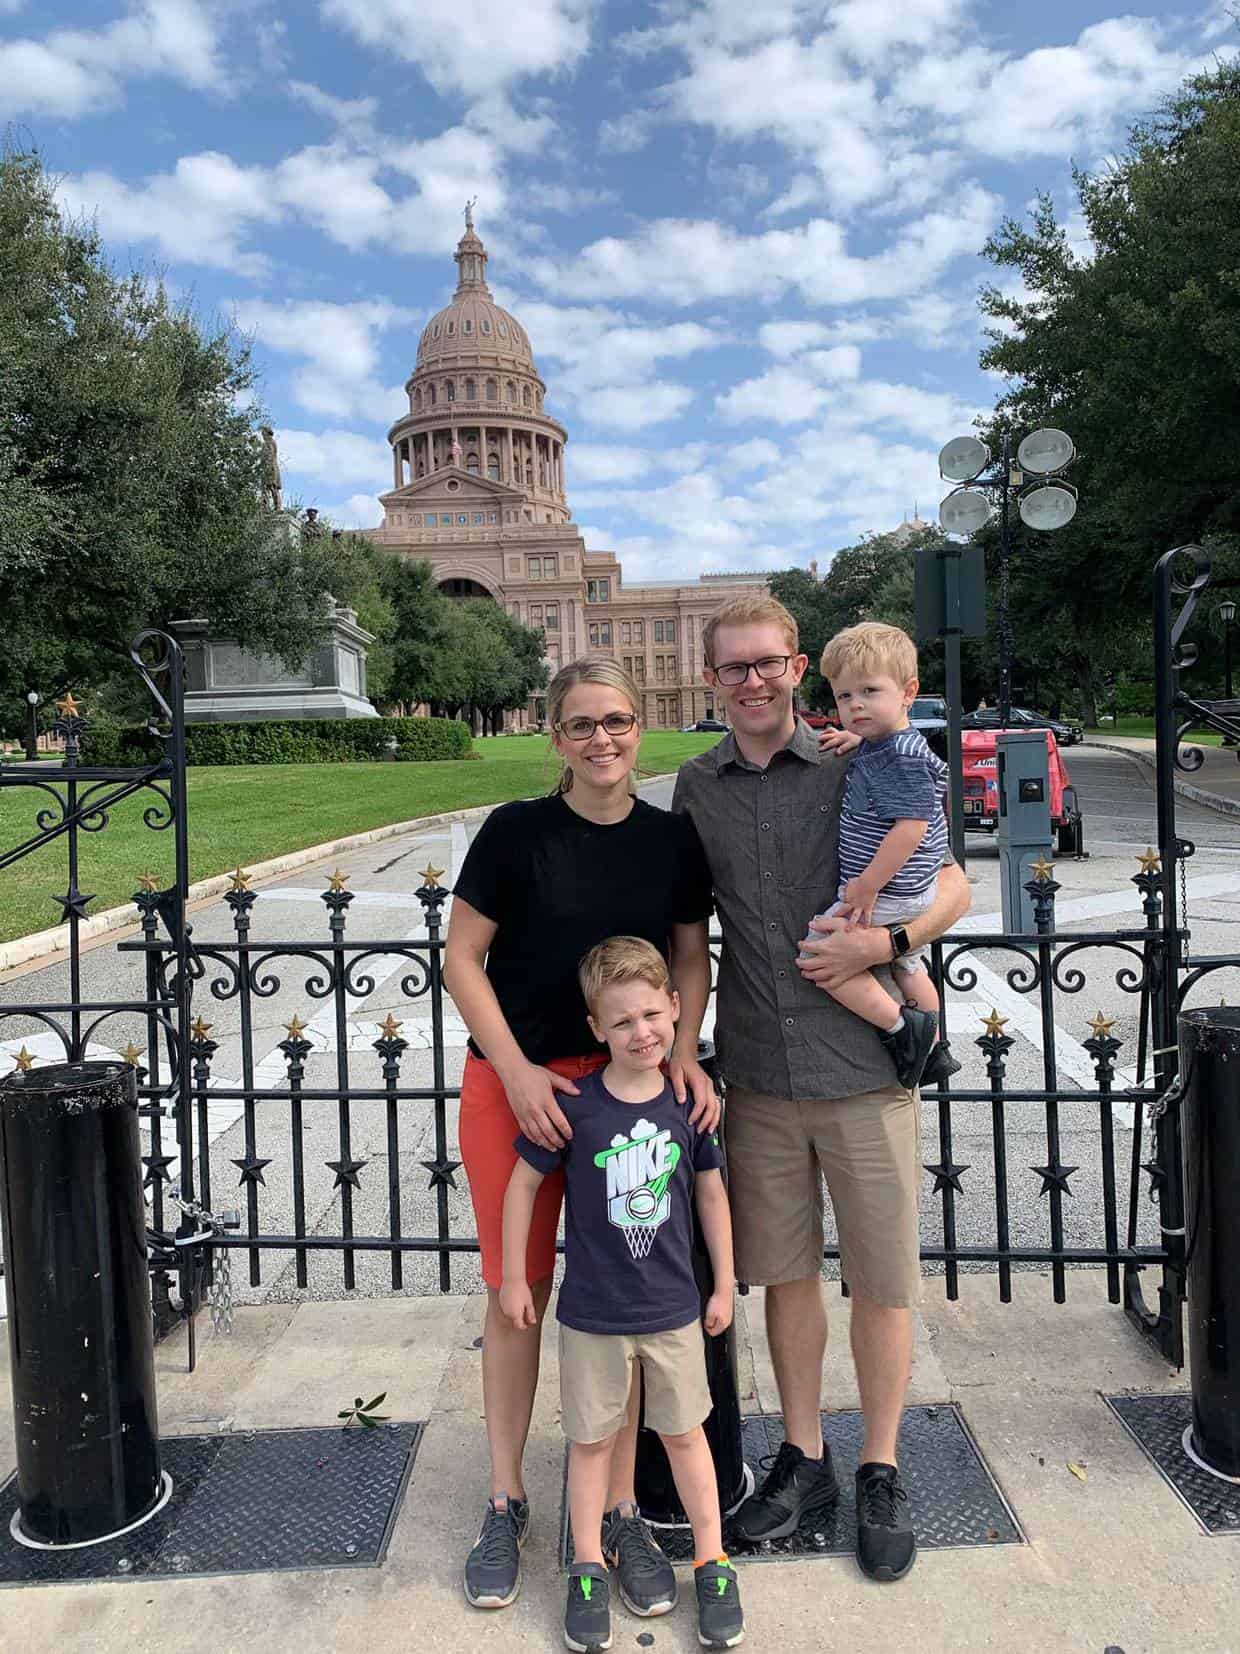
<point x="1198" y="795"/>
<point x="46" y="944"/>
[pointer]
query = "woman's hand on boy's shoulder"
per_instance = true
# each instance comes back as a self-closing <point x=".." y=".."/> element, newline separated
<point x="690" y="1082"/>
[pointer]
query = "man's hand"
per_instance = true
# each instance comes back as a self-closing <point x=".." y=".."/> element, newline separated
<point x="531" y="1097"/>
<point x="839" y="741"/>
<point x="689" y="1078"/>
<point x="842" y="952"/>
<point x="717" y="1316"/>
<point x="517" y="1303"/>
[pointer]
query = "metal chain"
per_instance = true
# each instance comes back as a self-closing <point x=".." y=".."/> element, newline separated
<point x="1184" y="906"/>
<point x="220" y="1296"/>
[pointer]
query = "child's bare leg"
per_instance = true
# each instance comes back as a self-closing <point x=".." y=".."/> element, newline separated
<point x="589" y="1465"/>
<point x="693" y="1471"/>
<point x="918" y="988"/>
<point x="863" y="996"/>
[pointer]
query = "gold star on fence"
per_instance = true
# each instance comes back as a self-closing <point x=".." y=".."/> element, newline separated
<point x="296" y="1028"/>
<point x="148" y="882"/>
<point x="240" y="880"/>
<point x="24" y="1060"/>
<point x="390" y="1028"/>
<point x="1041" y="869"/>
<point x="432" y="875"/>
<point x="338" y="880"/>
<point x="1151" y="861"/>
<point x="131" y="1055"/>
<point x="67" y="706"/>
<point x="1102" y="1026"/>
<point x="994" y="1024"/>
<point x="201" y="1029"/>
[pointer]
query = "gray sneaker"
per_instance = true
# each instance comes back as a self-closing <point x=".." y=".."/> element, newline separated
<point x="493" y="1567"/>
<point x="721" y="1622"/>
<point x="647" y="1583"/>
<point x="587" y="1614"/>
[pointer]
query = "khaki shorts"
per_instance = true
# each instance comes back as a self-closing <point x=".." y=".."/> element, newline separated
<point x="596" y="1375"/>
<point x="867" y="1149"/>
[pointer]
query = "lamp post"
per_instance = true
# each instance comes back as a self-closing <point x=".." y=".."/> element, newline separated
<point x="1048" y="503"/>
<point x="1227" y="614"/>
<point x="32" y="724"/>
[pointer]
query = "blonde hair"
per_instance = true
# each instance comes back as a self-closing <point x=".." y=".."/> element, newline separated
<point x="621" y="959"/>
<point x="609" y="674"/>
<point x="752" y="609"/>
<point x="871" y="647"/>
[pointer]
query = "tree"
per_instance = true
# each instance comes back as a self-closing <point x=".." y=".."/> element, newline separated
<point x="130" y="469"/>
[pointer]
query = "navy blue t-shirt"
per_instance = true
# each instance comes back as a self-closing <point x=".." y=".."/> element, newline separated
<point x="629" y="1174"/>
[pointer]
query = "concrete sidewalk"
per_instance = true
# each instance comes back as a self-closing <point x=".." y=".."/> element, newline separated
<point x="1216" y="784"/>
<point x="1112" y="1562"/>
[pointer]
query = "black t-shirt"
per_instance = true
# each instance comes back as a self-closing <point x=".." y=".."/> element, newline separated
<point x="555" y="884"/>
<point x="630" y="1171"/>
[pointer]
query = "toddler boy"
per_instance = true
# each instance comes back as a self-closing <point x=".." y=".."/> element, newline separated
<point x="632" y="1168"/>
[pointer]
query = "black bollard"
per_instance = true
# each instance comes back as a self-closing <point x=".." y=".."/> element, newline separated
<point x="1210" y="1065"/>
<point x="80" y="1336"/>
<point x="655" y="1488"/>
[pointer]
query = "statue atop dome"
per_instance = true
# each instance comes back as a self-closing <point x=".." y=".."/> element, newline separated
<point x="469" y="212"/>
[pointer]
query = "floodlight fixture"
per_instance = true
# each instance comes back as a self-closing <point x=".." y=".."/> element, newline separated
<point x="1048" y="506"/>
<point x="963" y="458"/>
<point x="964" y="511"/>
<point x="1045" y="452"/>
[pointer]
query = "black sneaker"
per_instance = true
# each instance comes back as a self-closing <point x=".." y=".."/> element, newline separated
<point x="493" y="1567"/>
<point x="587" y="1615"/>
<point x="886" y="1545"/>
<point x="721" y="1621"/>
<point x="647" y="1583"/>
<point x="940" y="1065"/>
<point x="794" y="1487"/>
<point x="911" y="1045"/>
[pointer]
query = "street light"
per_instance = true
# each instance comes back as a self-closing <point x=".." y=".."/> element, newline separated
<point x="32" y="725"/>
<point x="1227" y="614"/>
<point x="1046" y="505"/>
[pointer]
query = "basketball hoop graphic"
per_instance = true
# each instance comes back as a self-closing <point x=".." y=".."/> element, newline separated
<point x="639" y="1168"/>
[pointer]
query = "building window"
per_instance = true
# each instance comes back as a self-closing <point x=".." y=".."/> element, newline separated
<point x="417" y="398"/>
<point x="492" y="390"/>
<point x="626" y="632"/>
<point x="467" y="325"/>
<point x="493" y="467"/>
<point x="525" y="396"/>
<point x="486" y="326"/>
<point x="471" y="464"/>
<point x="430" y="395"/>
<point x="511" y="390"/>
<point x="669" y="631"/>
<point x="600" y="634"/>
<point x="639" y="669"/>
<point x="471" y="390"/>
<point x="451" y="329"/>
<point x="598" y="591"/>
<point x="533" y="568"/>
<point x="503" y="331"/>
<point x="536" y="614"/>
<point x="658" y="630"/>
<point x="550" y="569"/>
<point x="449" y="391"/>
<point x="416" y="519"/>
<point x="639" y="631"/>
<point x="432" y="521"/>
<point x="492" y="516"/>
<point x="477" y="516"/>
<point x="436" y="329"/>
<point x="462" y="518"/>
<point x="553" y="617"/>
<point x="659" y="669"/>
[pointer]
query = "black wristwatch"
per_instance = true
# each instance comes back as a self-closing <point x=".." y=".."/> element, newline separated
<point x="900" y="943"/>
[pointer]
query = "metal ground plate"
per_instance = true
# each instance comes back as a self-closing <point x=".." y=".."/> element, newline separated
<point x="953" y="1499"/>
<point x="259" y="1501"/>
<point x="1157" y="1425"/>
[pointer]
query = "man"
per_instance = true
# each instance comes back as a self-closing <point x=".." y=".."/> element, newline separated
<point x="811" y="1090"/>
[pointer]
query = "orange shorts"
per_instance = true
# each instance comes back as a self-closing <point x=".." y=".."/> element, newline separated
<point x="488" y="1129"/>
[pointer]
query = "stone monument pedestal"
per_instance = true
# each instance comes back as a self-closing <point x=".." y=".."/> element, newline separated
<point x="225" y="683"/>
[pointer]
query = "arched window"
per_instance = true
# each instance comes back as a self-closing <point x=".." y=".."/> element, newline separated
<point x="512" y="391"/>
<point x="467" y="325"/>
<point x="538" y="400"/>
<point x="471" y="463"/>
<point x="493" y="467"/>
<point x="492" y="391"/>
<point x="486" y="326"/>
<point x="449" y="391"/>
<point x="526" y="397"/>
<point x="415" y="401"/>
<point x="471" y="390"/>
<point x="529" y="472"/>
<point x="430" y="395"/>
<point x="436" y="329"/>
<point x="451" y="329"/>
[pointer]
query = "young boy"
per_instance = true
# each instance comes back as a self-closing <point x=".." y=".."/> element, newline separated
<point x="632" y="1167"/>
<point x="893" y="835"/>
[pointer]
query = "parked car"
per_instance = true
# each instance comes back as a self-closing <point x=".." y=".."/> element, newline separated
<point x="928" y="715"/>
<point x="980" y="766"/>
<point x="705" y="725"/>
<point x="822" y="720"/>
<point x="1066" y="734"/>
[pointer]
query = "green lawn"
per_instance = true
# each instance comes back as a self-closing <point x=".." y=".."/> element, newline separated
<point x="1145" y="727"/>
<point x="251" y="813"/>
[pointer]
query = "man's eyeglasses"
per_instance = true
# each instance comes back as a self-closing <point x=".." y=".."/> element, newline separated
<point x="581" y="729"/>
<point x="736" y="671"/>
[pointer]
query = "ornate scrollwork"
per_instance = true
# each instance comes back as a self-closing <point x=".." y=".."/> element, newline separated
<point x="167" y="661"/>
<point x="1023" y="977"/>
<point x="48" y="1021"/>
<point x="1072" y="980"/>
<point x="360" y="987"/>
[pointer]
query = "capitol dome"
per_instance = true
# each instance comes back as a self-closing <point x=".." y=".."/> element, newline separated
<point x="473" y="322"/>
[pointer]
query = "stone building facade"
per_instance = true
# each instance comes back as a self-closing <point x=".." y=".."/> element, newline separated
<point x="478" y="473"/>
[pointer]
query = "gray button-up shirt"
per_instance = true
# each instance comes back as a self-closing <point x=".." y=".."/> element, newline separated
<point x="771" y="837"/>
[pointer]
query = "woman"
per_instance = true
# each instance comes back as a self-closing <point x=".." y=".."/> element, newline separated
<point x="544" y="880"/>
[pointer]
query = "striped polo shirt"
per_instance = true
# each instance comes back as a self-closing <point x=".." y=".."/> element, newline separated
<point x="896" y="778"/>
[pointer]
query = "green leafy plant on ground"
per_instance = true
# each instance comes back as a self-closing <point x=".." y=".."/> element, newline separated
<point x="363" y="1413"/>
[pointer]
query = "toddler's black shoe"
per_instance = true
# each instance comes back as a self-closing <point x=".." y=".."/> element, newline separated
<point x="910" y="1046"/>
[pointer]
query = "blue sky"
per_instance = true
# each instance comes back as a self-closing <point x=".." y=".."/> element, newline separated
<point x="743" y="237"/>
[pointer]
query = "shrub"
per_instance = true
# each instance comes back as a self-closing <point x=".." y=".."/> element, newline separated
<point x="289" y="741"/>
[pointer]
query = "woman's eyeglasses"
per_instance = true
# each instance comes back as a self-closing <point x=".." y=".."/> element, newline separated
<point x="581" y="729"/>
<point x="736" y="671"/>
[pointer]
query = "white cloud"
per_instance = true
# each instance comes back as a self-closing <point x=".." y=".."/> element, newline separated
<point x="470" y="46"/>
<point x="634" y="407"/>
<point x="71" y="72"/>
<point x="339" y="346"/>
<point x="590" y="462"/>
<point x="335" y="457"/>
<point x="790" y="338"/>
<point x="358" y="511"/>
